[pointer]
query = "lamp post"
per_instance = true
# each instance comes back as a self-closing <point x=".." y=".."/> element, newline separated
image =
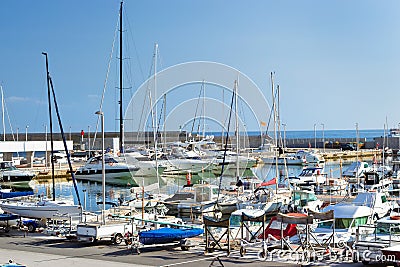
<point x="323" y="135"/>
<point x="103" y="166"/>
<point x="26" y="132"/>
<point x="315" y="135"/>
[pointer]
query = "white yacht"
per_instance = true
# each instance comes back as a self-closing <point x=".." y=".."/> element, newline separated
<point x="10" y="173"/>
<point x="116" y="172"/>
<point x="309" y="176"/>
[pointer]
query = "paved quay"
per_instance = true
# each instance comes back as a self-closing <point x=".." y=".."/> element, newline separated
<point x="40" y="250"/>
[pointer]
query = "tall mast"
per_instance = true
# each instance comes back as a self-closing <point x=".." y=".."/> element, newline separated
<point x="121" y="121"/>
<point x="155" y="115"/>
<point x="237" y="130"/>
<point x="51" y="126"/>
<point x="275" y="137"/>
<point x="2" y="113"/>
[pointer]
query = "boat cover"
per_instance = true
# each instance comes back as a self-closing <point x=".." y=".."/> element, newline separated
<point x="167" y="235"/>
<point x="4" y="195"/>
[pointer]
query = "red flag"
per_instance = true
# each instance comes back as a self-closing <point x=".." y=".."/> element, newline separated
<point x="267" y="183"/>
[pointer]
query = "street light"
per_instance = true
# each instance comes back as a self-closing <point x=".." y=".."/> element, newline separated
<point x="26" y="132"/>
<point x="315" y="135"/>
<point x="323" y="135"/>
<point x="103" y="166"/>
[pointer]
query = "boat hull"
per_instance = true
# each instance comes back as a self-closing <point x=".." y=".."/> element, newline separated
<point x="113" y="178"/>
<point x="40" y="210"/>
<point x="167" y="235"/>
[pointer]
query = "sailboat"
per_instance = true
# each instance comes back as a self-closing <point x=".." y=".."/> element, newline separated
<point x="43" y="208"/>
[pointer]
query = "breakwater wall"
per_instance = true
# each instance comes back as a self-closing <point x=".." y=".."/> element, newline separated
<point x="253" y="141"/>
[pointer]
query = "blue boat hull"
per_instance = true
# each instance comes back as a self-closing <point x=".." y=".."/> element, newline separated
<point x="167" y="235"/>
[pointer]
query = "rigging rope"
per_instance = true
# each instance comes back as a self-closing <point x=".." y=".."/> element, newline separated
<point x="225" y="147"/>
<point x="106" y="80"/>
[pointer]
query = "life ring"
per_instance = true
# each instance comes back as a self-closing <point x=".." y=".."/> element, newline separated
<point x="395" y="217"/>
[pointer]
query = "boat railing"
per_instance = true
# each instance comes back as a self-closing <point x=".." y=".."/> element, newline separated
<point x="363" y="236"/>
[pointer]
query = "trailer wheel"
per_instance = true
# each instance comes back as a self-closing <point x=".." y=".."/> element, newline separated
<point x="31" y="228"/>
<point x="117" y="239"/>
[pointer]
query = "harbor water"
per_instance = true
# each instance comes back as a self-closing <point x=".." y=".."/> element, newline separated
<point x="90" y="193"/>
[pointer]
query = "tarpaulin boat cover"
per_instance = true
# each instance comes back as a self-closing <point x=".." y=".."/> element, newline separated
<point x="167" y="235"/>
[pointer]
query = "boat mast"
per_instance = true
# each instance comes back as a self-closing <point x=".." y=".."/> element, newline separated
<point x="358" y="164"/>
<point x="275" y="138"/>
<point x="121" y="121"/>
<point x="2" y="113"/>
<point x="51" y="126"/>
<point x="155" y="124"/>
<point x="237" y="130"/>
<point x="204" y="110"/>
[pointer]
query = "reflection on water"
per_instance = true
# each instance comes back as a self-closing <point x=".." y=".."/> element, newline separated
<point x="90" y="193"/>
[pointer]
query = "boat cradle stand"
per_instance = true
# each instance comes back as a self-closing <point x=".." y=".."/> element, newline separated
<point x="252" y="240"/>
<point x="212" y="242"/>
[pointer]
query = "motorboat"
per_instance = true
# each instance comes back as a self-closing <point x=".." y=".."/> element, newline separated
<point x="147" y="167"/>
<point x="303" y="201"/>
<point x="41" y="208"/>
<point x="116" y="172"/>
<point x="309" y="176"/>
<point x="342" y="228"/>
<point x="336" y="186"/>
<point x="10" y="173"/>
<point x="377" y="201"/>
<point x="386" y="237"/>
<point x="301" y="158"/>
<point x="197" y="199"/>
<point x="229" y="160"/>
<point x="289" y="159"/>
<point x="266" y="199"/>
<point x="356" y="169"/>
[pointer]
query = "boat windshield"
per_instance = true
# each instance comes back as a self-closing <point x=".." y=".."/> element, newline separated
<point x="307" y="172"/>
<point x="304" y="196"/>
<point x="8" y="166"/>
<point x="344" y="223"/>
<point x="386" y="228"/>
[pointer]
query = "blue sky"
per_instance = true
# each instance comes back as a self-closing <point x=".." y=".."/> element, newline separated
<point x="336" y="62"/>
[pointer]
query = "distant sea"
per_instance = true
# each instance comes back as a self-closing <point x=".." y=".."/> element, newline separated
<point x="368" y="134"/>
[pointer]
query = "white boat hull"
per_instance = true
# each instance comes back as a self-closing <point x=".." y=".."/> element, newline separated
<point x="42" y="209"/>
